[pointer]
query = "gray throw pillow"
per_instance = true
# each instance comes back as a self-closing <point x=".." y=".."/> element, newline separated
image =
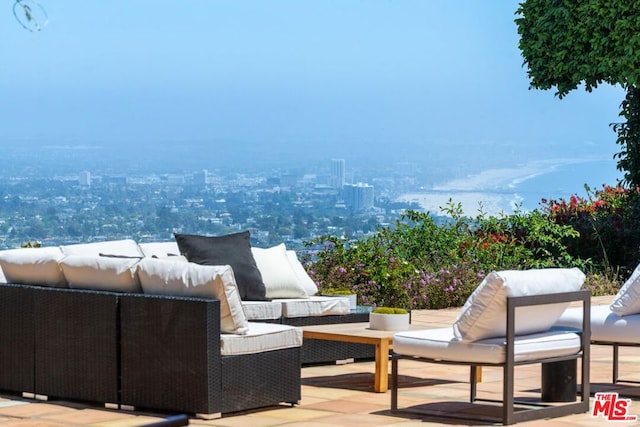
<point x="231" y="249"/>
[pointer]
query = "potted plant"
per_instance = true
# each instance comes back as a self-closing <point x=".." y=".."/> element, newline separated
<point x="389" y="319"/>
<point x="342" y="292"/>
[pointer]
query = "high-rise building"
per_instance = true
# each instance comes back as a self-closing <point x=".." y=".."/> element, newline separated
<point x="85" y="178"/>
<point x="337" y="173"/>
<point x="201" y="177"/>
<point x="358" y="197"/>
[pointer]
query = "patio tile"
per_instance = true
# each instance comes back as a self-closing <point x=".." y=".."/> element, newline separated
<point x="35" y="409"/>
<point x="89" y="417"/>
<point x="130" y="421"/>
<point x="341" y="396"/>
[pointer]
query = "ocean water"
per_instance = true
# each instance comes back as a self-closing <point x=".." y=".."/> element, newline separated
<point x="502" y="190"/>
<point x="566" y="180"/>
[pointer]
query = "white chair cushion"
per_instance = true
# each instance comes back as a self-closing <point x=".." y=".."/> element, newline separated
<point x="163" y="277"/>
<point x="159" y="249"/>
<point x="261" y="337"/>
<point x="122" y="248"/>
<point x="303" y="277"/>
<point x="279" y="278"/>
<point x="442" y="344"/>
<point x="101" y="273"/>
<point x="484" y="313"/>
<point x="262" y="310"/>
<point x="627" y="300"/>
<point x="605" y="325"/>
<point x="315" y="306"/>
<point x="33" y="266"/>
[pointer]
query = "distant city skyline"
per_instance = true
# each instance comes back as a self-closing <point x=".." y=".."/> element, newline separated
<point x="286" y="84"/>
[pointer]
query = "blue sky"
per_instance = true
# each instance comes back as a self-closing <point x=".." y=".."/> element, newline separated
<point x="300" y="75"/>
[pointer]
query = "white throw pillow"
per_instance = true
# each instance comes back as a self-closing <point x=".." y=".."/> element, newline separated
<point x="162" y="277"/>
<point x="160" y="249"/>
<point x="484" y="314"/>
<point x="303" y="277"/>
<point x="101" y="273"/>
<point x="33" y="266"/>
<point x="279" y="278"/>
<point x="123" y="248"/>
<point x="627" y="300"/>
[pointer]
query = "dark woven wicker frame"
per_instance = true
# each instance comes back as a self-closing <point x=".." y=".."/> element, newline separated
<point x="76" y="350"/>
<point x="321" y="351"/>
<point x="17" y="351"/>
<point x="171" y="360"/>
<point x="171" y="353"/>
<point x="261" y="379"/>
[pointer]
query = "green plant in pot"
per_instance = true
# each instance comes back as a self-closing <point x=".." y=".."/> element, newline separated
<point x="389" y="319"/>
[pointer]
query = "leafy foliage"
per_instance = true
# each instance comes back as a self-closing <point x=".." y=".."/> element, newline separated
<point x="417" y="263"/>
<point x="606" y="222"/>
<point x="389" y="310"/>
<point x="566" y="43"/>
<point x="629" y="137"/>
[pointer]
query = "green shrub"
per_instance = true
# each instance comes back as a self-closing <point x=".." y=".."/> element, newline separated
<point x="389" y="310"/>
<point x="418" y="263"/>
<point x="607" y="225"/>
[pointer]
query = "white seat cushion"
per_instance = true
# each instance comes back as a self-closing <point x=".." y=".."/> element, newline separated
<point x="261" y="337"/>
<point x="262" y="310"/>
<point x="442" y="344"/>
<point x="605" y="325"/>
<point x="315" y="306"/>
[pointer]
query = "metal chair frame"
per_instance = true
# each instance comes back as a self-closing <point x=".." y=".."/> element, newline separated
<point x="536" y="410"/>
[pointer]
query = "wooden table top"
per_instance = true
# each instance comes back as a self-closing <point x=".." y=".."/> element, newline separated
<point x="353" y="330"/>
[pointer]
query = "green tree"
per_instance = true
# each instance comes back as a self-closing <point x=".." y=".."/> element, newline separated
<point x="568" y="43"/>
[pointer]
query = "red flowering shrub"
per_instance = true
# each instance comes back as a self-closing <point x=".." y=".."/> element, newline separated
<point x="607" y="223"/>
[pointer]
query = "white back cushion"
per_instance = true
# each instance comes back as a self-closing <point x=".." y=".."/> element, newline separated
<point x="124" y="248"/>
<point x="101" y="273"/>
<point x="484" y="314"/>
<point x="303" y="277"/>
<point x="160" y="249"/>
<point x="627" y="300"/>
<point x="33" y="266"/>
<point x="164" y="277"/>
<point x="279" y="278"/>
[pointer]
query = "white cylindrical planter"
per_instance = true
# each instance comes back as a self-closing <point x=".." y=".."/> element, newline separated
<point x="389" y="322"/>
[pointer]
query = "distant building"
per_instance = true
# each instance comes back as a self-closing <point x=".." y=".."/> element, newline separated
<point x="201" y="177"/>
<point x="85" y="178"/>
<point x="337" y="177"/>
<point x="358" y="197"/>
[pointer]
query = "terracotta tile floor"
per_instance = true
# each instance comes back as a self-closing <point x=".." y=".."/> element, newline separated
<point x="341" y="395"/>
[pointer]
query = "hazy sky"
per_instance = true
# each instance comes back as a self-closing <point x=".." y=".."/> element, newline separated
<point x="300" y="75"/>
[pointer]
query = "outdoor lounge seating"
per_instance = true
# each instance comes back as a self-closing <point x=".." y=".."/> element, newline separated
<point x="134" y="325"/>
<point x="506" y="322"/>
<point x="614" y="325"/>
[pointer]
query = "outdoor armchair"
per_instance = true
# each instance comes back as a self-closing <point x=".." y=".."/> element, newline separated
<point x="507" y="322"/>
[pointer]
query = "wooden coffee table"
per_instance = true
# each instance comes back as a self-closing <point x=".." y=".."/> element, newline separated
<point x="360" y="333"/>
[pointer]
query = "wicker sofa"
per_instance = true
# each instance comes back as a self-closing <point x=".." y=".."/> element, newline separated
<point x="134" y="350"/>
<point x="128" y="345"/>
